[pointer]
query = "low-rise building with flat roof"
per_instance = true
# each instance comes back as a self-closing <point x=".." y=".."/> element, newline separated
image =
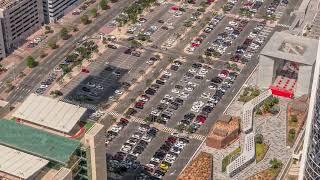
<point x="49" y="113"/>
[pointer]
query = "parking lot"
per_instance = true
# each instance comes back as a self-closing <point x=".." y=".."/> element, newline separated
<point x="193" y="74"/>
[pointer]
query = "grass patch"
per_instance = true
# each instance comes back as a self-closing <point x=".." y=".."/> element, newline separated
<point x="88" y="125"/>
<point x="261" y="150"/>
<point x="226" y="160"/>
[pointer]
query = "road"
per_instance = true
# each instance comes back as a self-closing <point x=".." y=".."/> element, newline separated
<point x="33" y="79"/>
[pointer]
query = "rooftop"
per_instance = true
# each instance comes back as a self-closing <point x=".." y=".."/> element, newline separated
<point x="293" y="48"/>
<point x="19" y="164"/>
<point x="37" y="142"/>
<point x="50" y="113"/>
<point x="199" y="169"/>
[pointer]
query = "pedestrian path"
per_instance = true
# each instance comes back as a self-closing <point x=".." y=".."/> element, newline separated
<point x="284" y="25"/>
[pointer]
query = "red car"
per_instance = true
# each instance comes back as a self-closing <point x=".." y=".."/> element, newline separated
<point x="84" y="70"/>
<point x="174" y="8"/>
<point x="171" y="139"/>
<point x="123" y="120"/>
<point x="201" y="119"/>
<point x="139" y="104"/>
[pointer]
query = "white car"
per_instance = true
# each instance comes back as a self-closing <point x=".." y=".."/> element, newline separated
<point x="119" y="92"/>
<point x="168" y="97"/>
<point x="126" y="148"/>
<point x="116" y="128"/>
<point x="205" y="95"/>
<point x="146" y="138"/>
<point x="184" y="95"/>
<point x="195" y="108"/>
<point x="43" y="86"/>
<point x="167" y="73"/>
<point x="155" y="159"/>
<point x="175" y="91"/>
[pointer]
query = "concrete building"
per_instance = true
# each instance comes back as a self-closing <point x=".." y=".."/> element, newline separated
<point x="19" y="19"/>
<point x="310" y="162"/>
<point x="95" y="140"/>
<point x="281" y="49"/>
<point x="55" y="9"/>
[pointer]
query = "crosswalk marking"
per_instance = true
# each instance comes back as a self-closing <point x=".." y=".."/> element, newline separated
<point x="197" y="137"/>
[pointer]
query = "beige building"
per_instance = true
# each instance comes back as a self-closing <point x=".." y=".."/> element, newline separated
<point x="95" y="139"/>
<point x="19" y="19"/>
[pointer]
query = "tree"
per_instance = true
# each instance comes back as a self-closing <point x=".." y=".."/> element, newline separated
<point x="52" y="44"/>
<point x="84" y="19"/>
<point x="94" y="12"/>
<point x="31" y="63"/>
<point x="259" y="138"/>
<point x="275" y="163"/>
<point x="64" y="33"/>
<point x="293" y="118"/>
<point x="56" y="93"/>
<point x="104" y="4"/>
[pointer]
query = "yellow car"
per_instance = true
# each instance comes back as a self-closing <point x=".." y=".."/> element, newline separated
<point x="164" y="166"/>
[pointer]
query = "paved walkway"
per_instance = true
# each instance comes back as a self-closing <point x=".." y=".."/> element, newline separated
<point x="273" y="129"/>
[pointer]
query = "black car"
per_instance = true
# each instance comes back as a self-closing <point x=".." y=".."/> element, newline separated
<point x="179" y="101"/>
<point x="164" y="28"/>
<point x="150" y="91"/>
<point x="119" y="156"/>
<point x="217" y="80"/>
<point x="152" y="131"/>
<point x="136" y="53"/>
<point x="160" y="21"/>
<point x="189" y="116"/>
<point x="207" y="109"/>
<point x="85" y="89"/>
<point x="160" y="82"/>
<point x="174" y="68"/>
<point x="196" y="65"/>
<point x="128" y="51"/>
<point x="112" y="46"/>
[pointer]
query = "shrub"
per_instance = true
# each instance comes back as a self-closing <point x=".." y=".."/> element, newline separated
<point x="84" y="19"/>
<point x="259" y="138"/>
<point x="64" y="33"/>
<point x="293" y="118"/>
<point x="31" y="63"/>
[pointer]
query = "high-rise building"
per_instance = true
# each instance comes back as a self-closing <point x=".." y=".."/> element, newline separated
<point x="310" y="162"/>
<point x="55" y="9"/>
<point x="18" y="20"/>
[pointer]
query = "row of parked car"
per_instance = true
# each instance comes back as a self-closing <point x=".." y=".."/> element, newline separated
<point x="229" y="5"/>
<point x="250" y="7"/>
<point x="201" y="108"/>
<point x="226" y="38"/>
<point x="273" y="7"/>
<point x="210" y="27"/>
<point x="250" y="46"/>
<point x="165" y="156"/>
<point x="115" y="129"/>
<point x="46" y="83"/>
<point x="172" y="101"/>
<point x="154" y="87"/>
<point x="126" y="158"/>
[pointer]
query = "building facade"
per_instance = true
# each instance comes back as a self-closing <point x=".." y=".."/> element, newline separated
<point x="55" y="9"/>
<point x="310" y="162"/>
<point x="19" y="19"/>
